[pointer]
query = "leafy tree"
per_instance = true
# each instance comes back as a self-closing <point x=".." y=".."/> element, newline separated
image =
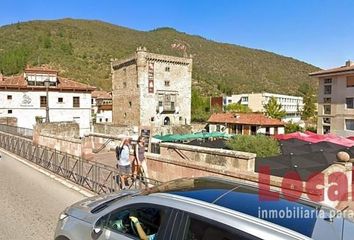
<point x="274" y="109"/>
<point x="291" y="127"/>
<point x="237" y="107"/>
<point x="308" y="94"/>
<point x="200" y="107"/>
<point x="262" y="145"/>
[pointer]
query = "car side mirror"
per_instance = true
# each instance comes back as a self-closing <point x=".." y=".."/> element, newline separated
<point x="96" y="232"/>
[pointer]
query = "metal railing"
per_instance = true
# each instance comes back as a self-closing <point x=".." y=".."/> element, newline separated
<point x="96" y="177"/>
<point x="18" y="131"/>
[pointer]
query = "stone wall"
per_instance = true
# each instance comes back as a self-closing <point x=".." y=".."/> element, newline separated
<point x="221" y="159"/>
<point x="62" y="129"/>
<point x="111" y="129"/>
<point x="64" y="144"/>
<point x="12" y="121"/>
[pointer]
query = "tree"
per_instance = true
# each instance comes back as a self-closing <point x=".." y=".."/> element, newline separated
<point x="273" y="109"/>
<point x="309" y="99"/>
<point x="200" y="107"/>
<point x="261" y="145"/>
<point x="237" y="107"/>
<point x="291" y="127"/>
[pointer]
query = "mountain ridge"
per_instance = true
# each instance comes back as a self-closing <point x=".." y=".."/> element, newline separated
<point x="82" y="49"/>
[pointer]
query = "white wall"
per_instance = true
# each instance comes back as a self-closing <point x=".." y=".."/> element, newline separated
<point x="104" y="115"/>
<point x="25" y="106"/>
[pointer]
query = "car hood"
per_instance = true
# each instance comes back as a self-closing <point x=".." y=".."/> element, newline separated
<point x="89" y="208"/>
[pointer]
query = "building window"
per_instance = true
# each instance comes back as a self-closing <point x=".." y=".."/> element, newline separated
<point x="43" y="101"/>
<point x="76" y="102"/>
<point x="327" y="89"/>
<point x="100" y="119"/>
<point x="350" y="103"/>
<point x="244" y="99"/>
<point x="130" y="104"/>
<point x="106" y="119"/>
<point x="181" y="118"/>
<point x="9" y="111"/>
<point x="350" y="81"/>
<point x="327" y="100"/>
<point x="326" y="129"/>
<point x="91" y="100"/>
<point x="152" y="119"/>
<point x="327" y="109"/>
<point x="60" y="100"/>
<point x="349" y="124"/>
<point x="9" y="97"/>
<point x="172" y="106"/>
<point x="326" y="120"/>
<point x="160" y="103"/>
<point x="167" y="83"/>
<point x="328" y="81"/>
<point x="167" y="69"/>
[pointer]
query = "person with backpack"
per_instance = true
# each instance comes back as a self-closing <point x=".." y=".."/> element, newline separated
<point x="122" y="154"/>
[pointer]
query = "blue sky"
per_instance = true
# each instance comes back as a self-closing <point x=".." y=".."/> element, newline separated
<point x="319" y="32"/>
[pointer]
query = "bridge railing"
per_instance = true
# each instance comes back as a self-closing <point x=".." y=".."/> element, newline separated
<point x="18" y="131"/>
<point x="96" y="177"/>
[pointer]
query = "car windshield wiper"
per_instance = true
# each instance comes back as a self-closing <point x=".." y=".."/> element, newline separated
<point x="107" y="203"/>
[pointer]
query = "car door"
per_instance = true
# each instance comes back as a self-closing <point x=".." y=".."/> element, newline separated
<point x="153" y="219"/>
<point x="201" y="228"/>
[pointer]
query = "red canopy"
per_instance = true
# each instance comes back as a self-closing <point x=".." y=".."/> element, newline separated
<point x="315" y="138"/>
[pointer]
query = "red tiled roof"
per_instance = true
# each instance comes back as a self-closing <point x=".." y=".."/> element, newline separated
<point x="244" y="118"/>
<point x="101" y="94"/>
<point x="19" y="82"/>
<point x="342" y="69"/>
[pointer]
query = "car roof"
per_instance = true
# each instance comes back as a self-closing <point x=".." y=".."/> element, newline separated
<point x="244" y="198"/>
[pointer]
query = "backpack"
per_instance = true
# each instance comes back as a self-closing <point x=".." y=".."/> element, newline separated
<point x="118" y="151"/>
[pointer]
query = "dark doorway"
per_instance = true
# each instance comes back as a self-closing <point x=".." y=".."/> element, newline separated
<point x="166" y="121"/>
<point x="253" y="130"/>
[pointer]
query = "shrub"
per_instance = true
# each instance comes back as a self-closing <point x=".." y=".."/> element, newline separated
<point x="291" y="127"/>
<point x="261" y="145"/>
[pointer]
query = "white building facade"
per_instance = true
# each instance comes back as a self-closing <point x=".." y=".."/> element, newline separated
<point x="25" y="98"/>
<point x="292" y="105"/>
<point x="102" y="106"/>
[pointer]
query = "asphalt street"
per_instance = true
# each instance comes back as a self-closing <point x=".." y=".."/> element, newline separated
<point x="30" y="202"/>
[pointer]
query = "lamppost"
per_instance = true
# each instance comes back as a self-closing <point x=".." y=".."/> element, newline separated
<point x="46" y="84"/>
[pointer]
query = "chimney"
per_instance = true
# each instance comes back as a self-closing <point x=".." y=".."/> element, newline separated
<point x="349" y="63"/>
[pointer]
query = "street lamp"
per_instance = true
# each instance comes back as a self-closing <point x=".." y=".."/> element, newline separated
<point x="46" y="84"/>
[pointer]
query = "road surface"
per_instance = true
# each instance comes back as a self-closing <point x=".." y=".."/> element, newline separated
<point x="30" y="202"/>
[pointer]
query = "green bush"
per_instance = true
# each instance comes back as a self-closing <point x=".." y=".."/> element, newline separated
<point x="262" y="145"/>
<point x="311" y="129"/>
<point x="291" y="127"/>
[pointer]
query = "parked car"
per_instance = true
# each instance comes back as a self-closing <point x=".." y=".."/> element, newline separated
<point x="205" y="208"/>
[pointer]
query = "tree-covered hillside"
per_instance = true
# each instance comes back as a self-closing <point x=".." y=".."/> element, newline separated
<point x="82" y="50"/>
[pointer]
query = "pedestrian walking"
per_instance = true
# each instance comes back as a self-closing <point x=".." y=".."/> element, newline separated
<point x="124" y="163"/>
<point x="140" y="168"/>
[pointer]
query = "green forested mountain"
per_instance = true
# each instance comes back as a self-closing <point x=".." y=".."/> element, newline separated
<point x="82" y="50"/>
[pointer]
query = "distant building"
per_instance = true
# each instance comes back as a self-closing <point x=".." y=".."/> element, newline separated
<point x="24" y="98"/>
<point x="245" y="124"/>
<point x="256" y="101"/>
<point x="216" y="103"/>
<point x="336" y="100"/>
<point x="151" y="90"/>
<point x="102" y="106"/>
